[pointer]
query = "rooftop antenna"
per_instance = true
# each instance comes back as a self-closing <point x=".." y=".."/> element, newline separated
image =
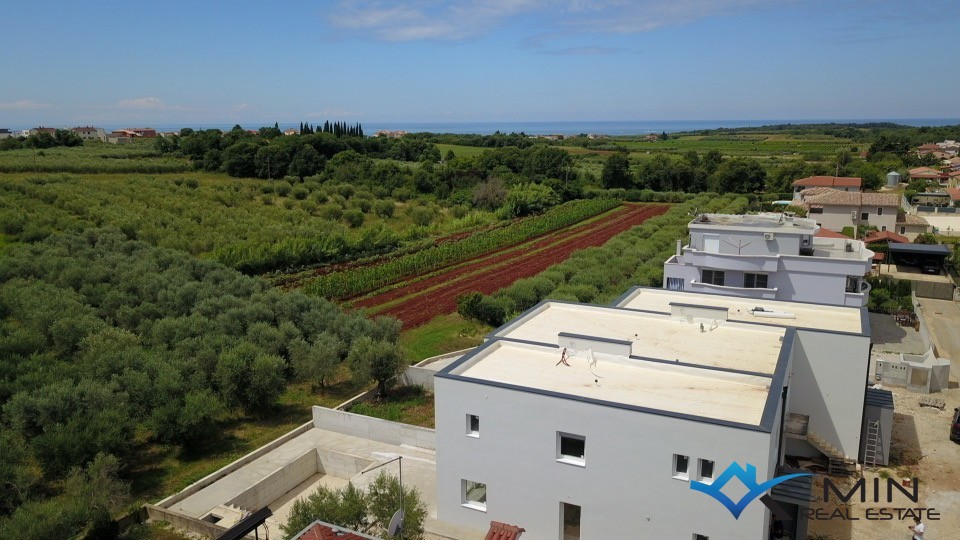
<point x="739" y="245"/>
<point x="395" y="527"/>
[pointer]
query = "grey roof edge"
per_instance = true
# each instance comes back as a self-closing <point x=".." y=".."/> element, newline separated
<point x="769" y="415"/>
<point x="596" y="338"/>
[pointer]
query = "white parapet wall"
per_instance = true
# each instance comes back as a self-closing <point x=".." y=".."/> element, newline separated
<point x="374" y="429"/>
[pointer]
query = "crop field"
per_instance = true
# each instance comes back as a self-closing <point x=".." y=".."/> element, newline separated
<point x="751" y="145"/>
<point x="460" y="150"/>
<point x="419" y="300"/>
<point x="92" y="158"/>
<point x="252" y="225"/>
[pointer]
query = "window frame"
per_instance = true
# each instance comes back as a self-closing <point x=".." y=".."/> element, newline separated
<point x="713" y="277"/>
<point x="465" y="491"/>
<point x="713" y="471"/>
<point x="571" y="459"/>
<point x="475" y="433"/>
<point x="879" y="210"/>
<point x="697" y="536"/>
<point x="755" y="277"/>
<point x="864" y="216"/>
<point x="676" y="473"/>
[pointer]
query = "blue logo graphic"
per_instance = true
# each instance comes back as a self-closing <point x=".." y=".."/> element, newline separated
<point x="749" y="479"/>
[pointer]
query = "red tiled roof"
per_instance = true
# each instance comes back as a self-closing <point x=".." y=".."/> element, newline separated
<point x="319" y="531"/>
<point x="924" y="172"/>
<point x="827" y="233"/>
<point x="848" y="198"/>
<point x="889" y="236"/>
<point x="828" y="181"/>
<point x="502" y="531"/>
<point x="879" y="257"/>
<point x="954" y="193"/>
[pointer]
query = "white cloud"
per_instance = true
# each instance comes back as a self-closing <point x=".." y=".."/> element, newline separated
<point x="242" y="107"/>
<point x="411" y="20"/>
<point x="23" y="105"/>
<point x="141" y="103"/>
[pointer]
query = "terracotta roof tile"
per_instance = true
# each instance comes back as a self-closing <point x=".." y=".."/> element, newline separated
<point x="847" y="198"/>
<point x="912" y="219"/>
<point x="954" y="193"/>
<point x="828" y="181"/>
<point x="502" y="531"/>
<point x="889" y="236"/>
<point x="322" y="531"/>
<point x="827" y="233"/>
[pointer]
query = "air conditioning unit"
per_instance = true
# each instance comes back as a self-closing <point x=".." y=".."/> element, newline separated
<point x="768" y="236"/>
<point x="853" y="215"/>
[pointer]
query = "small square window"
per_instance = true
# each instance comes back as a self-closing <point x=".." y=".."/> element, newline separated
<point x="681" y="464"/>
<point x="473" y="495"/>
<point x="706" y="471"/>
<point x="864" y="216"/>
<point x="473" y="425"/>
<point x="571" y="448"/>
<point x="700" y="537"/>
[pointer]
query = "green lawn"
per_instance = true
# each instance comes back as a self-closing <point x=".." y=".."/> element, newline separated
<point x="407" y="404"/>
<point x="446" y="333"/>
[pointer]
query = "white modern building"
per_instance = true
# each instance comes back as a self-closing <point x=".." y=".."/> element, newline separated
<point x="582" y="421"/>
<point x="769" y="257"/>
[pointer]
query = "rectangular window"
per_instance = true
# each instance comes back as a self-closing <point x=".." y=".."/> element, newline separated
<point x="713" y="277"/>
<point x="755" y="281"/>
<point x="680" y="465"/>
<point x="571" y="448"/>
<point x="569" y="521"/>
<point x="473" y="495"/>
<point x="473" y="425"/>
<point x="700" y="537"/>
<point x="903" y="230"/>
<point x="879" y="211"/>
<point x="816" y="210"/>
<point x="706" y="471"/>
<point x="674" y="284"/>
<point x="864" y="216"/>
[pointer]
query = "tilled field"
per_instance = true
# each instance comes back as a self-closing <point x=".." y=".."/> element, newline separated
<point x="419" y="300"/>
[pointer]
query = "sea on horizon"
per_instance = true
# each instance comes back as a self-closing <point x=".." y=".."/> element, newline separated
<point x="566" y="128"/>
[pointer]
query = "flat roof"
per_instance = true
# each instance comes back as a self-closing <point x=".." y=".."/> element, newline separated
<point x="684" y="390"/>
<point x="926" y="249"/>
<point x="732" y="346"/>
<point x="810" y="316"/>
<point x="765" y="221"/>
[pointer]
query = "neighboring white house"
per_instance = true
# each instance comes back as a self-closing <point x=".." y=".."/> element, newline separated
<point x="836" y="210"/>
<point x="4" y="133"/>
<point x="581" y="421"/>
<point x="90" y="133"/>
<point x="912" y="225"/>
<point x="769" y="257"/>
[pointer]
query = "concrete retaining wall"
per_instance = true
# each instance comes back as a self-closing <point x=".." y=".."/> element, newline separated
<point x="373" y="428"/>
<point x="933" y="289"/>
<point x="444" y="356"/>
<point x="339" y="464"/>
<point x="372" y="393"/>
<point x="925" y="335"/>
<point x="213" y="477"/>
<point x="186" y="523"/>
<point x="418" y="376"/>
<point x="275" y="484"/>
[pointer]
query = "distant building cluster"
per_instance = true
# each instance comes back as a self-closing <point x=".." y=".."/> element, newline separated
<point x="89" y="133"/>
<point x="941" y="150"/>
<point x="391" y="134"/>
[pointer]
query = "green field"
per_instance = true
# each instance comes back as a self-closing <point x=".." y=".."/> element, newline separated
<point x="460" y="151"/>
<point x="446" y="333"/>
<point x="93" y="158"/>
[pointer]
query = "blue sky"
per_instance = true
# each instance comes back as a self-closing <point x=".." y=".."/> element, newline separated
<point x="66" y="62"/>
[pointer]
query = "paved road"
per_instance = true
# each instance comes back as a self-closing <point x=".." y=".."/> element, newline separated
<point x="943" y="320"/>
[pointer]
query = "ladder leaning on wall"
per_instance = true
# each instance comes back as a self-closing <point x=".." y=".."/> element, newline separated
<point x="873" y="451"/>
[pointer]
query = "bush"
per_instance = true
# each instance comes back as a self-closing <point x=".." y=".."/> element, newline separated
<point x="283" y="189"/>
<point x="478" y="307"/>
<point x="354" y="218"/>
<point x="300" y="193"/>
<point x="383" y="208"/>
<point x="192" y="183"/>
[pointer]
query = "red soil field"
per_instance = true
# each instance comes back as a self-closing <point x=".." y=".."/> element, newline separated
<point x="501" y="268"/>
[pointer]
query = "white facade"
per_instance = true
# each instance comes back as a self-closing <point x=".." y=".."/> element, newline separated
<point x="672" y="377"/>
<point x="770" y="257"/>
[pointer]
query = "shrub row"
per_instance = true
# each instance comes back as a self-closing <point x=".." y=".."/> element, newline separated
<point x="600" y="274"/>
<point x="356" y="281"/>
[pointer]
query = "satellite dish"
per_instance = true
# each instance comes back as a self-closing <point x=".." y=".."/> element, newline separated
<point x="396" y="523"/>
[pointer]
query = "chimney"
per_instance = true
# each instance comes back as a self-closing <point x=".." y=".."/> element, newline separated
<point x="679" y="246"/>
